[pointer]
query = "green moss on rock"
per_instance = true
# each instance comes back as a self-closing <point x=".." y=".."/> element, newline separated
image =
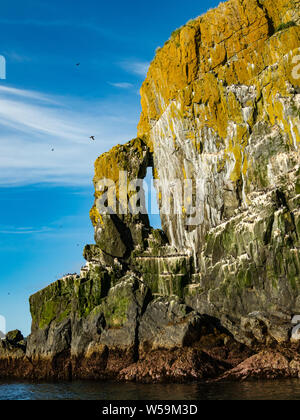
<point x="71" y="295"/>
<point x="287" y="25"/>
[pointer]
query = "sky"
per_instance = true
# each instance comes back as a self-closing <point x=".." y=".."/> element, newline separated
<point x="49" y="107"/>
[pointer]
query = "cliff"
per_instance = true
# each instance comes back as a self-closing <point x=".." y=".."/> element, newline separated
<point x="221" y="281"/>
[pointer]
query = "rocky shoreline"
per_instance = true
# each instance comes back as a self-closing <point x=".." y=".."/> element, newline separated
<point x="209" y="359"/>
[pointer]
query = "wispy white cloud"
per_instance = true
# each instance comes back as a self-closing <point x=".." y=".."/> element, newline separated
<point x="46" y="138"/>
<point x="22" y="230"/>
<point x="29" y="94"/>
<point x="136" y="67"/>
<point x="19" y="58"/>
<point x="122" y="85"/>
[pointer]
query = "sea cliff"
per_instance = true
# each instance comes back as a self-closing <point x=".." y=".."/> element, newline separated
<point x="215" y="292"/>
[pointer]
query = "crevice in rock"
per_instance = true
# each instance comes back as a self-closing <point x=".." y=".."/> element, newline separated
<point x="268" y="234"/>
<point x="268" y="17"/>
<point x="148" y="299"/>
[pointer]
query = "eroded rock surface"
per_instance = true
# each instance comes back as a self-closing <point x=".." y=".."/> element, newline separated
<point x="217" y="289"/>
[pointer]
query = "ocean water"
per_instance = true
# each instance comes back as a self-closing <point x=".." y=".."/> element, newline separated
<point x="88" y="390"/>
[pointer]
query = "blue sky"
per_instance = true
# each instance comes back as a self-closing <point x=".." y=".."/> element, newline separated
<point x="47" y="102"/>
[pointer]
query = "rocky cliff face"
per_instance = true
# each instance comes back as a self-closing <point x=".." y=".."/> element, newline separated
<point x="220" y="107"/>
<point x="220" y="113"/>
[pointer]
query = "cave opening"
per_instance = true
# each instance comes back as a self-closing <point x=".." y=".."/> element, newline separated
<point x="151" y="200"/>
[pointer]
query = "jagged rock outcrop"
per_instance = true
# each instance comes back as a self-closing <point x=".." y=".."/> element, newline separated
<point x="220" y="129"/>
<point x="119" y="233"/>
<point x="222" y="85"/>
<point x="220" y="107"/>
<point x="13" y="360"/>
<point x="266" y="364"/>
<point x="77" y="333"/>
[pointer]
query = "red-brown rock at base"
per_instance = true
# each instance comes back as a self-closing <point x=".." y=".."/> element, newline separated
<point x="180" y="365"/>
<point x="267" y="364"/>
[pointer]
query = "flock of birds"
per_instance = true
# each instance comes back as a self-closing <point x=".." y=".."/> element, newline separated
<point x="93" y="138"/>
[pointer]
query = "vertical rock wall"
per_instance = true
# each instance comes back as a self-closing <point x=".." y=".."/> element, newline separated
<point x="221" y="107"/>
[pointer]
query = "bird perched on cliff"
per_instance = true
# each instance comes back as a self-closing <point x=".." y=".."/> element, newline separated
<point x="92" y="138"/>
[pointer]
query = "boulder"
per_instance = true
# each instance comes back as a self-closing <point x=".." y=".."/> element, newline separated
<point x="264" y="365"/>
<point x="14" y="337"/>
<point x="168" y="323"/>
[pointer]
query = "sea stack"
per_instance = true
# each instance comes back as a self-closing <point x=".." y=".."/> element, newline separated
<point x="219" y="284"/>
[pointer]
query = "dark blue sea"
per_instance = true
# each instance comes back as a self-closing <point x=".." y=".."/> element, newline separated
<point x="87" y="390"/>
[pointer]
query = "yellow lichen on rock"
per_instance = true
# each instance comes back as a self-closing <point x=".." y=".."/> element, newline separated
<point x="219" y="87"/>
<point x="216" y="85"/>
<point x="130" y="158"/>
<point x="232" y="43"/>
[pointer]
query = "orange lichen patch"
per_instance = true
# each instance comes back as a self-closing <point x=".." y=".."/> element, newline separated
<point x="194" y="80"/>
<point x="245" y="165"/>
<point x="130" y="159"/>
<point x="155" y="173"/>
<point x="95" y="216"/>
<point x="236" y="148"/>
<point x="117" y="159"/>
<point x="233" y="43"/>
<point x="198" y="145"/>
